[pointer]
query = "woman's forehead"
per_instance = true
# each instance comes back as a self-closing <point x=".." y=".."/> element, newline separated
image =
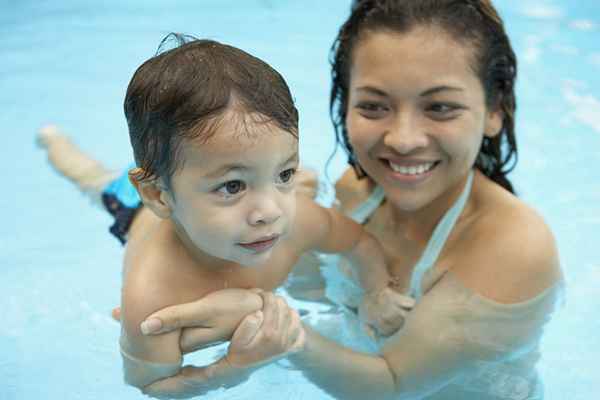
<point x="421" y="56"/>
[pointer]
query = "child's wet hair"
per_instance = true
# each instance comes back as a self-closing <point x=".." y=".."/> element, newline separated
<point x="475" y="23"/>
<point x="182" y="93"/>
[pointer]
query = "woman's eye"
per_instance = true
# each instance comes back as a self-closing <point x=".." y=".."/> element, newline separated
<point x="371" y="109"/>
<point x="287" y="175"/>
<point x="232" y="187"/>
<point x="443" y="110"/>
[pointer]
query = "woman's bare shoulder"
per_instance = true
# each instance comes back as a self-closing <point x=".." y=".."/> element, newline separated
<point x="509" y="252"/>
<point x="351" y="191"/>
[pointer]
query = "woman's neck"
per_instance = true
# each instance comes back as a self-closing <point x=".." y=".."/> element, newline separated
<point x="418" y="225"/>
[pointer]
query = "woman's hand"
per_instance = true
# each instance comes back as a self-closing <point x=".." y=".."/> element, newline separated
<point x="383" y="313"/>
<point x="263" y="336"/>
<point x="207" y="321"/>
<point x="280" y="333"/>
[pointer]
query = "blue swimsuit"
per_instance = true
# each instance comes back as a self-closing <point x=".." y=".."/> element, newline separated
<point x="121" y="200"/>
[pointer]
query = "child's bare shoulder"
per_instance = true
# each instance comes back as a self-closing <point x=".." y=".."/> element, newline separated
<point x="152" y="278"/>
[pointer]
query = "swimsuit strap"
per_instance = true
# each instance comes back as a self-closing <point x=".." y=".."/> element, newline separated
<point x="438" y="239"/>
<point x="365" y="209"/>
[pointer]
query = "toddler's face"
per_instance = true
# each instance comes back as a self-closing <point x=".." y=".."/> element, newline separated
<point x="234" y="197"/>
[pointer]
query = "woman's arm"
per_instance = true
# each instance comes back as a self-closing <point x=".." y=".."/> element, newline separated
<point x="454" y="327"/>
<point x="418" y="360"/>
<point x="343" y="373"/>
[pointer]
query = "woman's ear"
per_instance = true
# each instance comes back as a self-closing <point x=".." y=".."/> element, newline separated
<point x="493" y="123"/>
<point x="154" y="195"/>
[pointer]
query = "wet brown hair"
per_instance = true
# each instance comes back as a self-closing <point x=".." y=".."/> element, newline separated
<point x="473" y="22"/>
<point x="184" y="92"/>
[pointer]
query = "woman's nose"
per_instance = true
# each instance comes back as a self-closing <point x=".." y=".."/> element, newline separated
<point x="406" y="134"/>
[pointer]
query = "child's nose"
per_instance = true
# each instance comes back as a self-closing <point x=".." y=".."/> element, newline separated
<point x="266" y="212"/>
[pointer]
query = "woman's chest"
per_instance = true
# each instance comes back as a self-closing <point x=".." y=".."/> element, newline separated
<point x="410" y="260"/>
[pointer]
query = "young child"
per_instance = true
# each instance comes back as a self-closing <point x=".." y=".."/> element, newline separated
<point x="214" y="133"/>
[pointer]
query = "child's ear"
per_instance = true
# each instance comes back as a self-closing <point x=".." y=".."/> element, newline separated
<point x="153" y="194"/>
<point x="493" y="123"/>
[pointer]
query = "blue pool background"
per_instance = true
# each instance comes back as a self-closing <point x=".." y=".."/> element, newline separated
<point x="68" y="62"/>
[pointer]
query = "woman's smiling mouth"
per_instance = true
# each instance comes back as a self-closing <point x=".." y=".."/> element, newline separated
<point x="412" y="171"/>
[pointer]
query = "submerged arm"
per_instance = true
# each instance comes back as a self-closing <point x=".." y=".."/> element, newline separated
<point x="327" y="230"/>
<point x="424" y="356"/>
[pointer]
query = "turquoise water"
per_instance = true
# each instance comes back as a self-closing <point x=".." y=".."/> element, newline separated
<point x="68" y="62"/>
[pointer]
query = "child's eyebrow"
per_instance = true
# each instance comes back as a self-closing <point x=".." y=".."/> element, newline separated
<point x="293" y="157"/>
<point x="225" y="169"/>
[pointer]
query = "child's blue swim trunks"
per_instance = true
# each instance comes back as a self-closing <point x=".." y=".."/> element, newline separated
<point x="122" y="201"/>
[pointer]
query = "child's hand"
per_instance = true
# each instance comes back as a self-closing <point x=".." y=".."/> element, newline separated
<point x="383" y="312"/>
<point x="270" y="334"/>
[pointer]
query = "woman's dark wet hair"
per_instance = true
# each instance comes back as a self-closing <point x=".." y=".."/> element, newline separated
<point x="473" y="22"/>
<point x="183" y="93"/>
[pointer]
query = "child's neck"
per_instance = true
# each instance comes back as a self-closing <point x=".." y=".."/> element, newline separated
<point x="202" y="259"/>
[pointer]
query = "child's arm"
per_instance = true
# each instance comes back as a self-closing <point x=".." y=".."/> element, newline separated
<point x="147" y="359"/>
<point x="329" y="231"/>
<point x="251" y="347"/>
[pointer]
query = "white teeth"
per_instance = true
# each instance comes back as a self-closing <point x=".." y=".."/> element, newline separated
<point x="412" y="170"/>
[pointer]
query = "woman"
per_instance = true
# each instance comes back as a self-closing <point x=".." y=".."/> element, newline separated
<point x="423" y="101"/>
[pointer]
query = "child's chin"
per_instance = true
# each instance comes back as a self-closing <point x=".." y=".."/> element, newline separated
<point x="255" y="260"/>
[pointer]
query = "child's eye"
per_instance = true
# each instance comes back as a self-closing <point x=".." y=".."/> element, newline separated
<point x="231" y="188"/>
<point x="287" y="175"/>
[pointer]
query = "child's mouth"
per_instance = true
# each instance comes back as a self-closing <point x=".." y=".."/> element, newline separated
<point x="261" y="245"/>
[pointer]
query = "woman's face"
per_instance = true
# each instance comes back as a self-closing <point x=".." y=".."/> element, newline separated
<point x="416" y="114"/>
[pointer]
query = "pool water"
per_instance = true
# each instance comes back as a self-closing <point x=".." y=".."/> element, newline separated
<point x="68" y="62"/>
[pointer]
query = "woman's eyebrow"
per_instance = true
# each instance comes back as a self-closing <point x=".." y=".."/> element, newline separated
<point x="371" y="90"/>
<point x="438" y="89"/>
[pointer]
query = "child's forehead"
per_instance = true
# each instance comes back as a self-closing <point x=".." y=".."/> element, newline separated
<point x="252" y="143"/>
<point x="234" y="133"/>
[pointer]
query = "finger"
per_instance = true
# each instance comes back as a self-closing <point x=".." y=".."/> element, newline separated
<point x="175" y="317"/>
<point x="300" y="339"/>
<point x="193" y="339"/>
<point x="256" y="290"/>
<point x="168" y="388"/>
<point x="390" y="316"/>
<point x="389" y="327"/>
<point x="285" y="314"/>
<point x="405" y="301"/>
<point x="369" y="331"/>
<point x="116" y="314"/>
<point x="295" y="329"/>
<point x="188" y="383"/>
<point x="248" y="329"/>
<point x="270" y="312"/>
